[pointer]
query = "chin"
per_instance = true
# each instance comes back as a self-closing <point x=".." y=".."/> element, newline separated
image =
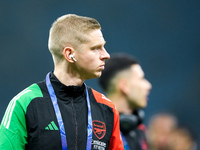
<point x="142" y="106"/>
<point x="94" y="76"/>
<point x="98" y="74"/>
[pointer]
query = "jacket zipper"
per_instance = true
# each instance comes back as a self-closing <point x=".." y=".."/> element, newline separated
<point x="76" y="125"/>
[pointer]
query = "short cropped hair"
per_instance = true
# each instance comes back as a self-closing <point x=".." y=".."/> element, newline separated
<point x="70" y="30"/>
<point x="117" y="63"/>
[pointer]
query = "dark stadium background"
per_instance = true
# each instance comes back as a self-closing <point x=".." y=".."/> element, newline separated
<point x="163" y="35"/>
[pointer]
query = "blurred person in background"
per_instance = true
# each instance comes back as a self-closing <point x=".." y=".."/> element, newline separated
<point x="160" y="128"/>
<point x="124" y="83"/>
<point x="182" y="139"/>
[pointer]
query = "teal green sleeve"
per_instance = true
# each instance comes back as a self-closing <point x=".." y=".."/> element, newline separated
<point x="13" y="132"/>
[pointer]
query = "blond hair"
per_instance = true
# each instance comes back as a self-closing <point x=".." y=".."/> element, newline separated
<point x="70" y="30"/>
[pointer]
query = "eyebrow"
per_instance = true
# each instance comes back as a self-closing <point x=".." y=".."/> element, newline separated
<point x="98" y="45"/>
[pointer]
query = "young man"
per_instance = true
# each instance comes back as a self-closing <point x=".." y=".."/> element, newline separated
<point x="124" y="83"/>
<point x="62" y="112"/>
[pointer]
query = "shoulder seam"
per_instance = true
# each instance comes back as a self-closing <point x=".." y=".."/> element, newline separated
<point x="100" y="98"/>
<point x="11" y="106"/>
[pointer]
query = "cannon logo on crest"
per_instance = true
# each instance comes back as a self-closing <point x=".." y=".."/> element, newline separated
<point x="99" y="129"/>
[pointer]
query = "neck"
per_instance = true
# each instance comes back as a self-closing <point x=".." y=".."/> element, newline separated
<point x="121" y="103"/>
<point x="67" y="77"/>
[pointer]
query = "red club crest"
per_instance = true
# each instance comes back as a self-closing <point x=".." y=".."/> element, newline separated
<point x="99" y="128"/>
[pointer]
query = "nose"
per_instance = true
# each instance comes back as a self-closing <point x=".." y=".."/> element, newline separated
<point x="105" y="54"/>
<point x="149" y="85"/>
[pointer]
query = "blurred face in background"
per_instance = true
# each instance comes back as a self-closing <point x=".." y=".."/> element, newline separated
<point x="181" y="139"/>
<point x="159" y="132"/>
<point x="137" y="87"/>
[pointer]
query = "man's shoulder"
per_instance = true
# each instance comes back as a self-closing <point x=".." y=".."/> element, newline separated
<point x="28" y="94"/>
<point x="32" y="90"/>
<point x="101" y="98"/>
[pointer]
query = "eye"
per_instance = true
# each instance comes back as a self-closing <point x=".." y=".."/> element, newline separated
<point x="96" y="48"/>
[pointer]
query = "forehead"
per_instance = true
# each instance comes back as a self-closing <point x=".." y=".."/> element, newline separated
<point x="95" y="35"/>
<point x="137" y="70"/>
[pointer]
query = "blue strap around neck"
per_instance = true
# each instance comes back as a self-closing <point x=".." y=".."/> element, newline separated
<point x="125" y="143"/>
<point x="59" y="117"/>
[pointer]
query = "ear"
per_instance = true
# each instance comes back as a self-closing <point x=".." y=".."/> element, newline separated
<point x="67" y="51"/>
<point x="123" y="86"/>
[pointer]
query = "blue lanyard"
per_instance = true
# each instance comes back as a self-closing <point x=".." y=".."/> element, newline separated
<point x="126" y="147"/>
<point x="59" y="117"/>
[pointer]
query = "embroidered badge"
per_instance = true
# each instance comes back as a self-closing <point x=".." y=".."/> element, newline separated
<point x="99" y="128"/>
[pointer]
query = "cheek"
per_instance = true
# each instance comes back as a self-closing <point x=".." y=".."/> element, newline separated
<point x="86" y="62"/>
<point x="133" y="94"/>
<point x="137" y="93"/>
<point x="90" y="61"/>
<point x="135" y="88"/>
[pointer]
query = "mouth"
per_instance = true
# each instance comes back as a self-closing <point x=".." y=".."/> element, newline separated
<point x="102" y="67"/>
<point x="147" y="97"/>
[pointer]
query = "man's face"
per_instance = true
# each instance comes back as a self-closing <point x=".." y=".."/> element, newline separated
<point x="138" y="88"/>
<point x="91" y="56"/>
<point x="160" y="131"/>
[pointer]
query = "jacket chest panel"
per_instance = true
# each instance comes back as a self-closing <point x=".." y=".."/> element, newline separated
<point x="45" y="129"/>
